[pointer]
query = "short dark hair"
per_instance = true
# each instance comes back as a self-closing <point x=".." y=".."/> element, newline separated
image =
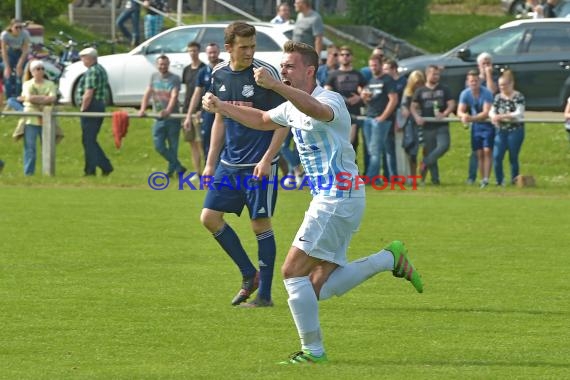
<point x="433" y="67"/>
<point x="376" y="57"/>
<point x="473" y="73"/>
<point x="307" y="52"/>
<point x="162" y="56"/>
<point x="194" y="44"/>
<point x="239" y="29"/>
<point x="390" y="62"/>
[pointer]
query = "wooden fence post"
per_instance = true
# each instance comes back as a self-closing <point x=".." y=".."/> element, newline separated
<point x="48" y="142"/>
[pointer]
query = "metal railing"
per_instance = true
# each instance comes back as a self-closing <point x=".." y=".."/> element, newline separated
<point x="49" y="127"/>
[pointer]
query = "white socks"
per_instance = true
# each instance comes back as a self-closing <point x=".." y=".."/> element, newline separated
<point x="303" y="300"/>
<point x="343" y="279"/>
<point x="305" y="310"/>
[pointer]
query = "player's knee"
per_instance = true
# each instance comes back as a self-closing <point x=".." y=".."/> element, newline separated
<point x="286" y="271"/>
<point x="211" y="221"/>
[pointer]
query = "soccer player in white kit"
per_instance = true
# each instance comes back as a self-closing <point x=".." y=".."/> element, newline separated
<point x="315" y="267"/>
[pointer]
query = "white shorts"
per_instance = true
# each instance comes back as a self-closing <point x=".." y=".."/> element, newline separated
<point x="328" y="227"/>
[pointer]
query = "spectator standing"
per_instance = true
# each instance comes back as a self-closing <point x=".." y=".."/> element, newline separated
<point x="548" y="8"/>
<point x="329" y="66"/>
<point x="396" y="156"/>
<point x="246" y="153"/>
<point x="131" y="13"/>
<point x="488" y="79"/>
<point x="507" y="113"/>
<point x="15" y="47"/>
<point x="382" y="99"/>
<point x="474" y="105"/>
<point x="37" y="93"/>
<point x="92" y="92"/>
<point x="433" y="100"/>
<point x="487" y="75"/>
<point x="283" y="14"/>
<point x="190" y="72"/>
<point x="163" y="89"/>
<point x="365" y="71"/>
<point x="201" y="121"/>
<point x="348" y="82"/>
<point x="567" y="117"/>
<point x="192" y="134"/>
<point x="411" y="141"/>
<point x="309" y="27"/>
<point x="153" y="20"/>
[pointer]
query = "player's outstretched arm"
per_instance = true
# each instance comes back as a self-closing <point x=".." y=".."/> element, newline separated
<point x="248" y="116"/>
<point x="302" y="100"/>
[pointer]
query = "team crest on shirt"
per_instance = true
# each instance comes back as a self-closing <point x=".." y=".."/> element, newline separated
<point x="247" y="90"/>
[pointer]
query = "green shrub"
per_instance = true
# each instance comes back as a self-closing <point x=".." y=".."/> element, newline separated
<point x="38" y="11"/>
<point x="400" y="17"/>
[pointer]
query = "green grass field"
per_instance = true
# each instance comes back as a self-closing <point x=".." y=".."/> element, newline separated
<point x="106" y="279"/>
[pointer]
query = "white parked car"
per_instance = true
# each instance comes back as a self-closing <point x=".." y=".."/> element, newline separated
<point x="129" y="73"/>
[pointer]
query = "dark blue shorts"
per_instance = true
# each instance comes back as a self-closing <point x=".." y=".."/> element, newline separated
<point x="482" y="136"/>
<point x="233" y="188"/>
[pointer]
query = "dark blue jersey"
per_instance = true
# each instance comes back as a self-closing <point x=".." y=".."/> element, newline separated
<point x="204" y="77"/>
<point x="244" y="146"/>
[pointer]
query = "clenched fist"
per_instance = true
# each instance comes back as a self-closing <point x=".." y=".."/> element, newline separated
<point x="263" y="78"/>
<point x="210" y="102"/>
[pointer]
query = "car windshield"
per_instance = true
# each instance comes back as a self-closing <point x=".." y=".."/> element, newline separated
<point x="499" y="42"/>
<point x="173" y="42"/>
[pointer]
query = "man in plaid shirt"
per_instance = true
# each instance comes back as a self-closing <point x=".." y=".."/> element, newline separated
<point x="92" y="95"/>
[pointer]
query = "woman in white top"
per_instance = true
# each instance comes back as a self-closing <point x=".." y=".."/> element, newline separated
<point x="507" y="114"/>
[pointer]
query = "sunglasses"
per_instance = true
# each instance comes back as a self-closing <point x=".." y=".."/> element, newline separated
<point x="40" y="68"/>
<point x="18" y="27"/>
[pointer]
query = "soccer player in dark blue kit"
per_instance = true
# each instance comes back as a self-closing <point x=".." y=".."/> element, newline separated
<point x="246" y="152"/>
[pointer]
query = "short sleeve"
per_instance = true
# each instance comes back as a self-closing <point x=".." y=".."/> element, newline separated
<point x="176" y="82"/>
<point x="361" y="79"/>
<point x="27" y="37"/>
<point x="52" y="91"/>
<point x="416" y="98"/>
<point x="336" y="103"/>
<point x="331" y="79"/>
<point x="279" y="114"/>
<point x="391" y="88"/>
<point x="26" y="86"/>
<point x="488" y="97"/>
<point x="318" y="27"/>
<point x="90" y="78"/>
<point x="464" y="99"/>
<point x="447" y="95"/>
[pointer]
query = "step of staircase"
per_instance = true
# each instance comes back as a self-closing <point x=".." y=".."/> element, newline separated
<point x="99" y="20"/>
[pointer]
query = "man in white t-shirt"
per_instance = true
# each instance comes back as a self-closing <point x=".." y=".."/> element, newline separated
<point x="316" y="267"/>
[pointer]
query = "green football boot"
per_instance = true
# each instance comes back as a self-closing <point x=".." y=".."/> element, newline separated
<point x="303" y="357"/>
<point x="403" y="266"/>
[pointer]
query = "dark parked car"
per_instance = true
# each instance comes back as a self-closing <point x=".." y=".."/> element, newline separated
<point x="537" y="51"/>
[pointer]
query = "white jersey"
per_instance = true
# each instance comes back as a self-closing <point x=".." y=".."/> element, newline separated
<point x="324" y="147"/>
